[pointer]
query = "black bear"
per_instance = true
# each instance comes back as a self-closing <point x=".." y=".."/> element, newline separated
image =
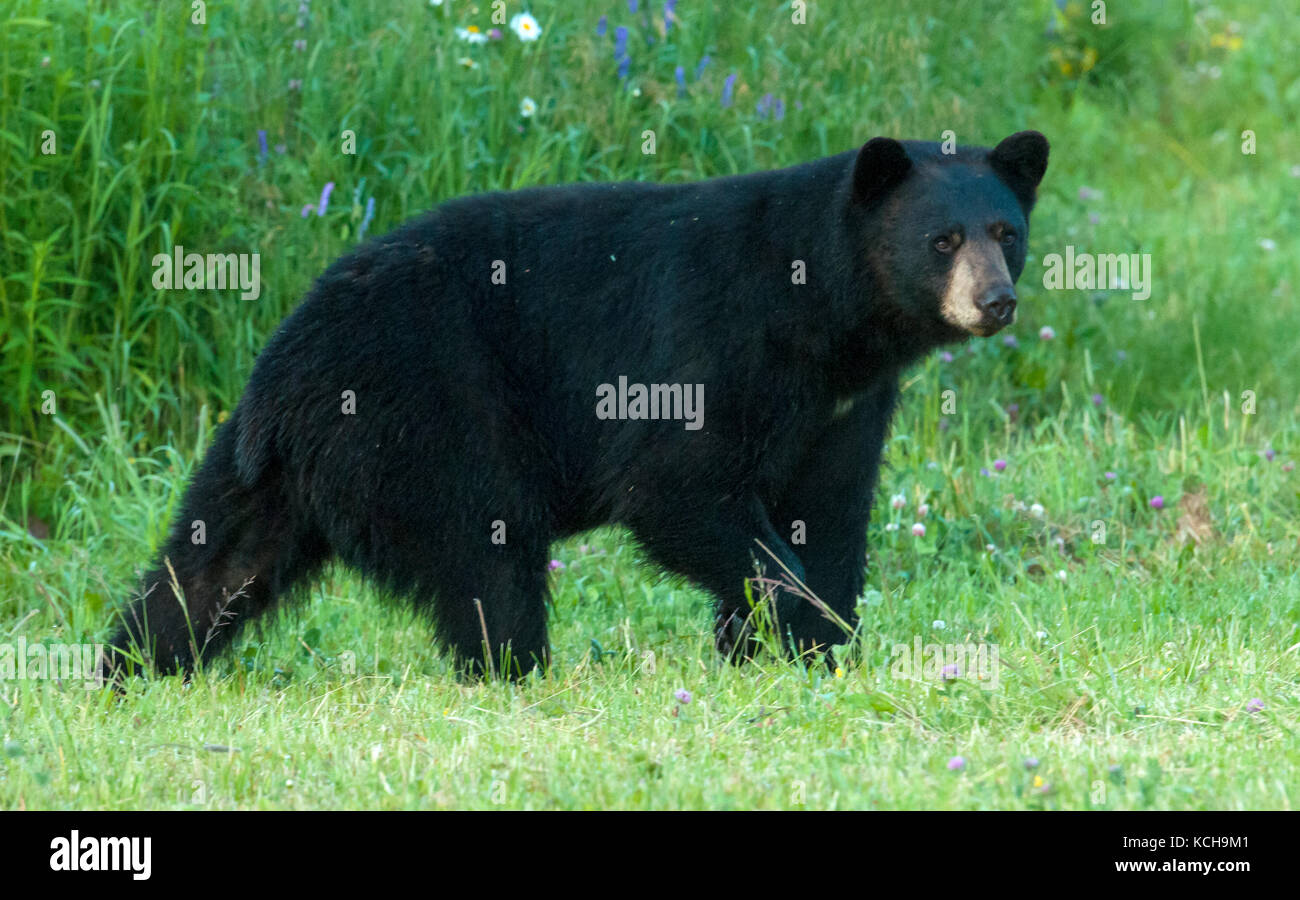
<point x="443" y="404"/>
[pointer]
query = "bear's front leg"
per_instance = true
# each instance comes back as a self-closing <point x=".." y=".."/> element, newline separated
<point x="720" y="547"/>
<point x="825" y="509"/>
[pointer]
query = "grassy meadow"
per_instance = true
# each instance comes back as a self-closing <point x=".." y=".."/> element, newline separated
<point x="1110" y="500"/>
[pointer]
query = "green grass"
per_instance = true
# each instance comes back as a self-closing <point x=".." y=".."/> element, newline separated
<point x="1127" y="678"/>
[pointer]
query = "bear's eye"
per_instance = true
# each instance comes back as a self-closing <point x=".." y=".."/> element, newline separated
<point x="943" y="245"/>
<point x="1008" y="238"/>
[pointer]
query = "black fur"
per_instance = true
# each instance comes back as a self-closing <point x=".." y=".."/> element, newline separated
<point x="475" y="401"/>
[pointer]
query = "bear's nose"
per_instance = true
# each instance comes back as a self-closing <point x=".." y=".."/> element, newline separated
<point x="1000" y="303"/>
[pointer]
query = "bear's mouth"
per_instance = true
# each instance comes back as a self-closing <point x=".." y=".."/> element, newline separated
<point x="985" y="317"/>
<point x="975" y="323"/>
<point x="986" y="328"/>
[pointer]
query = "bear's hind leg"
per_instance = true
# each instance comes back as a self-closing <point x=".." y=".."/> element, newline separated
<point x="489" y="606"/>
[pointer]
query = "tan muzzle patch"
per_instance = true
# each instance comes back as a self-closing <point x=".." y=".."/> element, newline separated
<point x="977" y="268"/>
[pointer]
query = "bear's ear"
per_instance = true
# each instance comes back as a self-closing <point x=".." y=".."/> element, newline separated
<point x="1021" y="157"/>
<point x="882" y="163"/>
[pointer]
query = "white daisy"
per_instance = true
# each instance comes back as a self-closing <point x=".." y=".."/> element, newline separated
<point x="526" y="27"/>
<point x="527" y="107"/>
<point x="471" y="35"/>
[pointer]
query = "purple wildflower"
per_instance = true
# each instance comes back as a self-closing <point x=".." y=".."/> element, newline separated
<point x="951" y="672"/>
<point x="602" y="25"/>
<point x="261" y="147"/>
<point x="555" y="565"/>
<point x="945" y="356"/>
<point x="633" y="6"/>
<point x="1111" y="476"/>
<point x="682" y="695"/>
<point x="1269" y="454"/>
<point x="1000" y="464"/>
<point x="1098" y="400"/>
<point x="620" y="51"/>
<point x="1031" y="762"/>
<point x="365" y="220"/>
<point x="764" y="106"/>
<point x="778" y="109"/>
<point x="325" y="198"/>
<point x="1158" y="502"/>
<point x="1010" y="341"/>
<point x="728" y="90"/>
<point x="680" y="74"/>
<point x="308" y="210"/>
<point x="494" y="34"/>
<point x="1255" y="705"/>
<point x="957" y="763"/>
<point x="699" y="70"/>
<point x="670" y="14"/>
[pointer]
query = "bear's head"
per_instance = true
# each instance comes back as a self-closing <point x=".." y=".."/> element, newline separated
<point x="948" y="232"/>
